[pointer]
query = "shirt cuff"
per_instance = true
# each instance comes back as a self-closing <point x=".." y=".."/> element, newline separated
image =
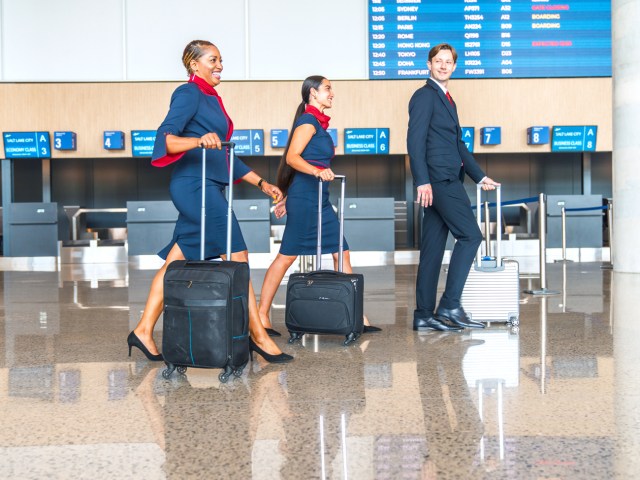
<point x="483" y="179"/>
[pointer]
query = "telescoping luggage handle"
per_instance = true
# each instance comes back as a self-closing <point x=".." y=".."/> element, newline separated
<point x="203" y="214"/>
<point x="497" y="264"/>
<point x="343" y="181"/>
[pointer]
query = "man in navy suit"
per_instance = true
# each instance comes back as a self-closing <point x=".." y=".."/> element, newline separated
<point x="439" y="160"/>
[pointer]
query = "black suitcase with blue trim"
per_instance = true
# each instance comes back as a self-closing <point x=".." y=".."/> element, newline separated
<point x="206" y="315"/>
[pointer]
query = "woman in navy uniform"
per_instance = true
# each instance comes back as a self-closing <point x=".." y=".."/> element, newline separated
<point x="197" y="118"/>
<point x="306" y="158"/>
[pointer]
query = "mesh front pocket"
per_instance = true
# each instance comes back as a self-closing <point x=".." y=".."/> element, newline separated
<point x="195" y="336"/>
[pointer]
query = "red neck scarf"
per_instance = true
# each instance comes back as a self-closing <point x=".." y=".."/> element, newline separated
<point x="321" y="117"/>
<point x="209" y="90"/>
<point x="203" y="85"/>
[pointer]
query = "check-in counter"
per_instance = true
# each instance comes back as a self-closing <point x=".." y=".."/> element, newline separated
<point x="150" y="226"/>
<point x="584" y="228"/>
<point x="369" y="224"/>
<point x="254" y="218"/>
<point x="34" y="230"/>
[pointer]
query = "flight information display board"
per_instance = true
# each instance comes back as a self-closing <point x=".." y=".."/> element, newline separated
<point x="493" y="38"/>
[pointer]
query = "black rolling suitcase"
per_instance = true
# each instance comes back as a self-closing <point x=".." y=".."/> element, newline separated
<point x="206" y="315"/>
<point x="326" y="301"/>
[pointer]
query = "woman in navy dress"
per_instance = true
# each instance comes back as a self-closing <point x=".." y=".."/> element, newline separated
<point x="197" y="118"/>
<point x="306" y="159"/>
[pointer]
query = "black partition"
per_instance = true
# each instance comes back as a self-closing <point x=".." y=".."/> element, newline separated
<point x="369" y="224"/>
<point x="150" y="226"/>
<point x="34" y="229"/>
<point x="254" y="218"/>
<point x="584" y="228"/>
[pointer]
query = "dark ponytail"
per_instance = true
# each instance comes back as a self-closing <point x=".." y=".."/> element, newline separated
<point x="285" y="172"/>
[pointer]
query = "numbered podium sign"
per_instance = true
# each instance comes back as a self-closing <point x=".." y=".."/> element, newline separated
<point x="64" y="140"/>
<point x="113" y="140"/>
<point x="26" y="145"/>
<point x="279" y="138"/>
<point x="490" y="136"/>
<point x="537" y="135"/>
<point x="333" y="133"/>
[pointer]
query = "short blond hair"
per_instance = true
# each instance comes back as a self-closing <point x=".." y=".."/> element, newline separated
<point x="443" y="46"/>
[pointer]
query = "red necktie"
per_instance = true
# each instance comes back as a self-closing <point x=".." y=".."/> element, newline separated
<point x="450" y="99"/>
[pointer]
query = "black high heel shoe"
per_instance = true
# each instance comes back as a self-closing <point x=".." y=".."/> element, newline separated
<point x="371" y="329"/>
<point x="134" y="341"/>
<point x="281" y="358"/>
<point x="272" y="333"/>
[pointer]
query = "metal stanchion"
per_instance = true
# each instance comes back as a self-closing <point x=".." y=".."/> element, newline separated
<point x="564" y="288"/>
<point x="564" y="237"/>
<point x="479" y="220"/>
<point x="609" y="266"/>
<point x="542" y="230"/>
<point x="543" y="345"/>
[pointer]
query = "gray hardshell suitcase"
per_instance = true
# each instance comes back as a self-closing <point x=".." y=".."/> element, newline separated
<point x="206" y="316"/>
<point x="492" y="291"/>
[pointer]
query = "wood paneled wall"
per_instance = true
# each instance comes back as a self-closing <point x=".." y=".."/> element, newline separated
<point x="90" y="108"/>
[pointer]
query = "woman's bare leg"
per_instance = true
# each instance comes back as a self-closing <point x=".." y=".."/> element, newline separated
<point x="346" y="268"/>
<point x="153" y="308"/>
<point x="258" y="333"/>
<point x="272" y="280"/>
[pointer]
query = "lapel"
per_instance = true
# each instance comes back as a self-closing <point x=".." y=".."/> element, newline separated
<point x="444" y="100"/>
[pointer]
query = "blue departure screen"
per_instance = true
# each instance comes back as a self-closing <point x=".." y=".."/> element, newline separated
<point x="493" y="38"/>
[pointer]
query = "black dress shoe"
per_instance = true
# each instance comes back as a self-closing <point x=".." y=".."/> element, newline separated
<point x="280" y="358"/>
<point x="371" y="329"/>
<point x="272" y="333"/>
<point x="431" y="323"/>
<point x="134" y="341"/>
<point x="457" y="316"/>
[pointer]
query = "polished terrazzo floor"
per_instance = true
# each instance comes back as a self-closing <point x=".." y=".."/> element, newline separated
<point x="558" y="399"/>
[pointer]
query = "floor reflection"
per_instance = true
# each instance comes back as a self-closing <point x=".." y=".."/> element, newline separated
<point x="557" y="399"/>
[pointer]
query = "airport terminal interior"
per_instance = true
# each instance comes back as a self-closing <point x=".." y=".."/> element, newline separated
<point x="546" y="96"/>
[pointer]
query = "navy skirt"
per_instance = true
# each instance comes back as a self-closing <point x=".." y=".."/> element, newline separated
<point x="301" y="231"/>
<point x="186" y="193"/>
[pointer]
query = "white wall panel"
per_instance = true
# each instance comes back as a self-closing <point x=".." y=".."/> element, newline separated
<point x="62" y="40"/>
<point x="292" y="39"/>
<point x="158" y="31"/>
<point x="1" y="44"/>
<point x="143" y="40"/>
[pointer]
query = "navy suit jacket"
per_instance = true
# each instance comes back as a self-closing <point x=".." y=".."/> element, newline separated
<point x="434" y="139"/>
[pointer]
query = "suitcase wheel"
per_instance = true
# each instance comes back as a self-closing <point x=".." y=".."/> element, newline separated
<point x="238" y="371"/>
<point x="515" y="321"/>
<point x="182" y="370"/>
<point x="224" y="376"/>
<point x="295" y="336"/>
<point x="166" y="373"/>
<point x="352" y="337"/>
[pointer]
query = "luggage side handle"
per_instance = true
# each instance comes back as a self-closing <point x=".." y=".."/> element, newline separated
<point x="343" y="180"/>
<point x="478" y="264"/>
<point x="324" y="272"/>
<point x="231" y="146"/>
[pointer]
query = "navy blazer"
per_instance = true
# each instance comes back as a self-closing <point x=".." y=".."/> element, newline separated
<point x="193" y="113"/>
<point x="434" y="139"/>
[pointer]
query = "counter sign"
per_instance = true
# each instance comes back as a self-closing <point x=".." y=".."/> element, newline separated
<point x="366" y="141"/>
<point x="27" y="145"/>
